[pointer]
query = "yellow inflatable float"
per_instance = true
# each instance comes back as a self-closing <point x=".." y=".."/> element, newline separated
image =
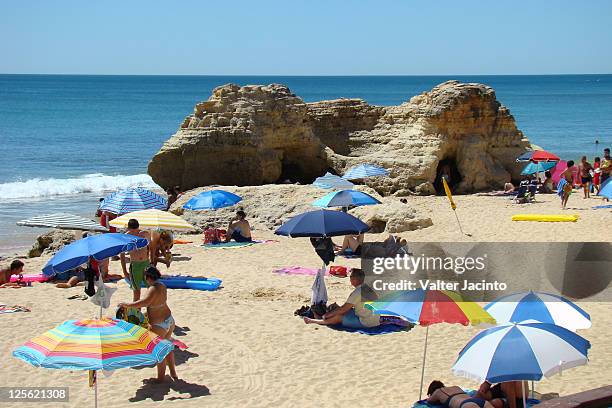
<point x="545" y="217"/>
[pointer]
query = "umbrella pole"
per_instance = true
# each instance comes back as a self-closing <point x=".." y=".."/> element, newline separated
<point x="423" y="365"/>
<point x="96" y="390"/>
<point x="459" y="222"/>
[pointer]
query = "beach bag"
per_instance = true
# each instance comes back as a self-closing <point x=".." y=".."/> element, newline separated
<point x="211" y="236"/>
<point x="338" y="271"/>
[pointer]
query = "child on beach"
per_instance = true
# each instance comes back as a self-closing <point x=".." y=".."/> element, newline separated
<point x="160" y="317"/>
<point x="16" y="268"/>
<point x="565" y="186"/>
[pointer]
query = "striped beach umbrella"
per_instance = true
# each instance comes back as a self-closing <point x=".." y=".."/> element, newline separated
<point x="63" y="221"/>
<point x="153" y="219"/>
<point x="528" y="350"/>
<point x="132" y="199"/>
<point x="331" y="181"/>
<point x="212" y="199"/>
<point x="543" y="307"/>
<point x="345" y="198"/>
<point x="363" y="171"/>
<point x="427" y="307"/>
<point x="95" y="344"/>
<point x="539" y="167"/>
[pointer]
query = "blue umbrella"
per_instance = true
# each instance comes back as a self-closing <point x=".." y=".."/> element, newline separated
<point x="322" y="223"/>
<point x="606" y="189"/>
<point x="212" y="199"/>
<point x="364" y="171"/>
<point x="133" y="199"/>
<point x="528" y="350"/>
<point x="97" y="246"/>
<point x="330" y="181"/>
<point x="540" y="167"/>
<point x="345" y="198"/>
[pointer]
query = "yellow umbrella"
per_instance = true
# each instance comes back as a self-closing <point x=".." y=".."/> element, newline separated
<point x="152" y="218"/>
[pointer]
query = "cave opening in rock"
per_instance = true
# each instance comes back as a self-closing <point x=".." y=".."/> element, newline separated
<point x="448" y="168"/>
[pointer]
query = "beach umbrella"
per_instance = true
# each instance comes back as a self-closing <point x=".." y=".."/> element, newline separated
<point x="543" y="307"/>
<point x="132" y="199"/>
<point x="363" y="171"/>
<point x="93" y="345"/>
<point x="212" y="199"/>
<point x="560" y="168"/>
<point x="606" y="189"/>
<point x="522" y="351"/>
<point x="153" y="219"/>
<point x="537" y="156"/>
<point x="345" y="198"/>
<point x="427" y="307"/>
<point x="63" y="221"/>
<point x="322" y="224"/>
<point x="539" y="167"/>
<point x="331" y="181"/>
<point x="97" y="246"/>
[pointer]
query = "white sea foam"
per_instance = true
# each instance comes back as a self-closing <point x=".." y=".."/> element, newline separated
<point x="90" y="183"/>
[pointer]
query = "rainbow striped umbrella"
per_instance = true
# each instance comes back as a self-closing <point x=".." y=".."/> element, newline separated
<point x="427" y="307"/>
<point x="94" y="344"/>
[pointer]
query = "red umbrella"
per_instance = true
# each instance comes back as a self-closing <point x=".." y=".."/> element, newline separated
<point x="544" y="156"/>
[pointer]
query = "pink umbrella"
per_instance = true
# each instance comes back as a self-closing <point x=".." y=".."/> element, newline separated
<point x="560" y="168"/>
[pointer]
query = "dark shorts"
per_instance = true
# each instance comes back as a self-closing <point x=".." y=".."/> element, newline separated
<point x="478" y="401"/>
<point x="586" y="179"/>
<point x="236" y="236"/>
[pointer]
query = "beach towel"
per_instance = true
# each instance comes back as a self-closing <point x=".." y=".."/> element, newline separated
<point x="560" y="186"/>
<point x="181" y="241"/>
<point x="602" y="206"/>
<point x="297" y="270"/>
<point x="424" y="404"/>
<point x="12" y="309"/>
<point x="229" y="245"/>
<point x="382" y="329"/>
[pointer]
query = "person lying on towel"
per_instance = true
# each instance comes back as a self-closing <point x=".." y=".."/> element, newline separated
<point x="353" y="314"/>
<point x="239" y="228"/>
<point x="509" y="393"/>
<point x="455" y="397"/>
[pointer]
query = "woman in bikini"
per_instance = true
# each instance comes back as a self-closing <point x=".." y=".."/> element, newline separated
<point x="160" y="317"/>
<point x="455" y="397"/>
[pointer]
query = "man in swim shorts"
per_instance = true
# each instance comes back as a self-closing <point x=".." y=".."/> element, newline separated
<point x="139" y="260"/>
<point x="566" y="184"/>
<point x="353" y="313"/>
<point x="239" y="228"/>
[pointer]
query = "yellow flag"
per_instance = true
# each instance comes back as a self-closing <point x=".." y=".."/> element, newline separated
<point x="448" y="193"/>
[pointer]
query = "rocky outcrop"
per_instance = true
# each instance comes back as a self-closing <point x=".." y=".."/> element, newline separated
<point x="268" y="206"/>
<point x="255" y="135"/>
<point x="51" y="242"/>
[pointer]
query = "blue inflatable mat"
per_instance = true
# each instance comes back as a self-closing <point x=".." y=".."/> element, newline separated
<point x="188" y="282"/>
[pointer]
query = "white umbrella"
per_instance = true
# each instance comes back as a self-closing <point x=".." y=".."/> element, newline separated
<point x="63" y="221"/>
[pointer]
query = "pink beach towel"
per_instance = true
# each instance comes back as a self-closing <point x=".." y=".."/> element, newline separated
<point x="297" y="270"/>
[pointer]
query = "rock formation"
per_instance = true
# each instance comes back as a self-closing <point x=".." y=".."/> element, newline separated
<point x="268" y="206"/>
<point x="255" y="135"/>
<point x="51" y="242"/>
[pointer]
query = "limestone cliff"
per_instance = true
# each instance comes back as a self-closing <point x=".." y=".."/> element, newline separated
<point x="254" y="135"/>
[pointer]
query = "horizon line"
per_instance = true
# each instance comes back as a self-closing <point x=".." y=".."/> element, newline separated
<point x="303" y="75"/>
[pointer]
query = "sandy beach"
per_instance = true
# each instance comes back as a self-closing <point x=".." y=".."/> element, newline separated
<point x="247" y="349"/>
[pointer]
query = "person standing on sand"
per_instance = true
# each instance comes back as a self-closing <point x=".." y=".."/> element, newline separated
<point x="565" y="186"/>
<point x="596" y="174"/>
<point x="160" y="317"/>
<point x="585" y="169"/>
<point x="139" y="260"/>
<point x="606" y="166"/>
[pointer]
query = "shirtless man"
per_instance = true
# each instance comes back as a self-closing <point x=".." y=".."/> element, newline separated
<point x="239" y="228"/>
<point x="585" y="176"/>
<point x="139" y="260"/>
<point x="565" y="185"/>
<point x="160" y="248"/>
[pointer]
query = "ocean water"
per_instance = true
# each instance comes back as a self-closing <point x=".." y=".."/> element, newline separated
<point x="67" y="140"/>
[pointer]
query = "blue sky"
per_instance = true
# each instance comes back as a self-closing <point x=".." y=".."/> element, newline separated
<point x="306" y="37"/>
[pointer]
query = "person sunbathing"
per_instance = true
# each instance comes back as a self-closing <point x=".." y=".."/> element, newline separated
<point x="510" y="391"/>
<point x="77" y="276"/>
<point x="160" y="248"/>
<point x="351" y="245"/>
<point x="15" y="268"/>
<point x="455" y="397"/>
<point x="239" y="228"/>
<point x="160" y="317"/>
<point x="353" y="313"/>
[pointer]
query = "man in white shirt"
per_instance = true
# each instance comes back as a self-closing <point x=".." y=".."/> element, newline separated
<point x="353" y="313"/>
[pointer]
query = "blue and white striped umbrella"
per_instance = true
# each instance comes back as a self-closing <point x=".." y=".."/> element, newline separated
<point x="364" y="171"/>
<point x="330" y="181"/>
<point x="133" y="199"/>
<point x="528" y="350"/>
<point x="539" y="167"/>
<point x="345" y="198"/>
<point x="543" y="307"/>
